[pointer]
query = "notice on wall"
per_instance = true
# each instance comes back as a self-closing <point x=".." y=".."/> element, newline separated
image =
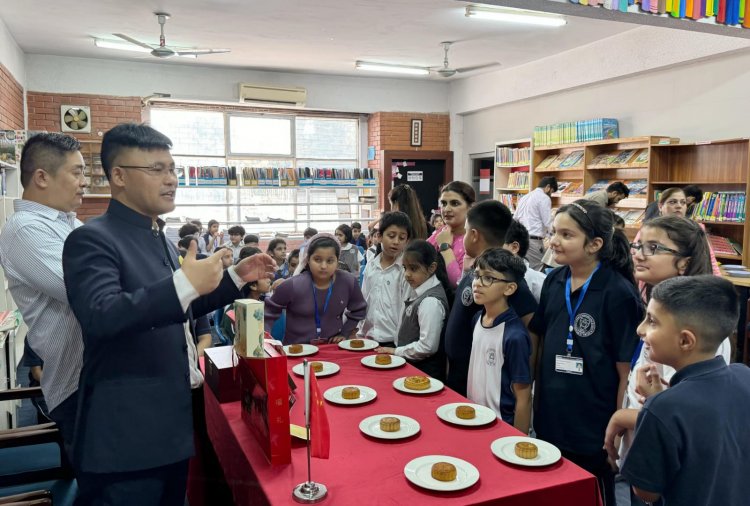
<point x="484" y="181"/>
<point x="415" y="175"/>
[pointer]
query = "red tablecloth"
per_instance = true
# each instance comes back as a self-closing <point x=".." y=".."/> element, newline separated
<point x="364" y="471"/>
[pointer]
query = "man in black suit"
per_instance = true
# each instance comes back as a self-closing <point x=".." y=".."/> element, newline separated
<point x="134" y="429"/>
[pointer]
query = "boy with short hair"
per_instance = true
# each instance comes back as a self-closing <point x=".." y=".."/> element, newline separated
<point x="486" y="226"/>
<point x="358" y="239"/>
<point x="252" y="240"/>
<point x="235" y="243"/>
<point x="383" y="284"/>
<point x="517" y="242"/>
<point x="499" y="372"/>
<point x="691" y="440"/>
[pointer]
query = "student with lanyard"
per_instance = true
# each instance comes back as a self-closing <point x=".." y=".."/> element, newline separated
<point x="669" y="247"/>
<point x="587" y="319"/>
<point x="323" y="304"/>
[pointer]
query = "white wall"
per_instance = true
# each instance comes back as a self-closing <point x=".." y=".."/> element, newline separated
<point x="699" y="101"/>
<point x="11" y="55"/>
<point x="351" y="94"/>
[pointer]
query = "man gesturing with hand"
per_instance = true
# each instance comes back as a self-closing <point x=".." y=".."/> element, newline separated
<point x="134" y="429"/>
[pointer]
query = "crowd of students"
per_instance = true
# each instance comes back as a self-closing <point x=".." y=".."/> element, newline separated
<point x="581" y="334"/>
<point x="598" y="338"/>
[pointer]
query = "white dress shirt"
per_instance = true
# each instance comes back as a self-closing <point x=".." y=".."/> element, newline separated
<point x="534" y="211"/>
<point x="535" y="280"/>
<point x="431" y="315"/>
<point x="385" y="291"/>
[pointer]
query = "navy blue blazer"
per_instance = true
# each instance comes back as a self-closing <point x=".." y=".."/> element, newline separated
<point x="135" y="407"/>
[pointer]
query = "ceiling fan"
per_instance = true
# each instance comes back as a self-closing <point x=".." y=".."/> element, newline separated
<point x="163" y="50"/>
<point x="447" y="71"/>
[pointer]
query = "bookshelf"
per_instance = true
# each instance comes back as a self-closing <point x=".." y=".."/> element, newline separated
<point x="512" y="171"/>
<point x="11" y="341"/>
<point x="589" y="166"/>
<point x="716" y="166"/>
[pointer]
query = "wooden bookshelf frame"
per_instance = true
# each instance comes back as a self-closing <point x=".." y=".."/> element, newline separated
<point x="502" y="171"/>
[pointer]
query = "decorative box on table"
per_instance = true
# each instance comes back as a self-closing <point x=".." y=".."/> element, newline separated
<point x="265" y="397"/>
<point x="221" y="373"/>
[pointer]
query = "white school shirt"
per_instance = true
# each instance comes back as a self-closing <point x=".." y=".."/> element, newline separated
<point x="630" y="400"/>
<point x="535" y="280"/>
<point x="430" y="315"/>
<point x="484" y="382"/>
<point x="384" y="291"/>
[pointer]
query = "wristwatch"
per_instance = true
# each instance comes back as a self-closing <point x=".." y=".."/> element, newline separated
<point x="445" y="246"/>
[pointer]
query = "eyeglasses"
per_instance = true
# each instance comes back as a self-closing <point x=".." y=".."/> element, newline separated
<point x="651" y="248"/>
<point x="486" y="280"/>
<point x="157" y="170"/>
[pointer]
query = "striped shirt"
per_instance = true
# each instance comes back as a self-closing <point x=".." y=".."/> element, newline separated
<point x="31" y="245"/>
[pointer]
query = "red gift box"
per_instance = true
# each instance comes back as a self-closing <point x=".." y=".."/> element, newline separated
<point x="265" y="402"/>
<point x="221" y="373"/>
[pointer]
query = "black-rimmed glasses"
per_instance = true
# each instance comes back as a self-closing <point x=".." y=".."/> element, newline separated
<point x="650" y="249"/>
<point x="157" y="170"/>
<point x="486" y="280"/>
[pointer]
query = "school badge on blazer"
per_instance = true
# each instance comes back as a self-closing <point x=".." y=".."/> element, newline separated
<point x="467" y="297"/>
<point x="584" y="325"/>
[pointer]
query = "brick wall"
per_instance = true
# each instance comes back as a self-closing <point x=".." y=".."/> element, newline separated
<point x="392" y="130"/>
<point x="11" y="101"/>
<point x="106" y="112"/>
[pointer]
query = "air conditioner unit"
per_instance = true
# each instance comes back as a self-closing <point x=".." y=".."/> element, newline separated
<point x="273" y="94"/>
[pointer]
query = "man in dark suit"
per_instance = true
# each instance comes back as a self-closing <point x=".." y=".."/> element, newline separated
<point x="134" y="429"/>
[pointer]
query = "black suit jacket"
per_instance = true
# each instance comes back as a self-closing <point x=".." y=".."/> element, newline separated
<point x="135" y="402"/>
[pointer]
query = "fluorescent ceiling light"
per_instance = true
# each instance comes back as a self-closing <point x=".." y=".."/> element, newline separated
<point x="126" y="46"/>
<point x="510" y="15"/>
<point x="396" y="69"/>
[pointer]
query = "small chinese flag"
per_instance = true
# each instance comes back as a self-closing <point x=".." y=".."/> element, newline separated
<point x="320" y="431"/>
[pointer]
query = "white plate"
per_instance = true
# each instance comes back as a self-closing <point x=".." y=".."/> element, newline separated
<point x="484" y="414"/>
<point x="307" y="349"/>
<point x="371" y="427"/>
<point x="366" y="394"/>
<point x="328" y="369"/>
<point x="504" y="449"/>
<point x="418" y="471"/>
<point x="370" y="344"/>
<point x="396" y="361"/>
<point x="435" y="386"/>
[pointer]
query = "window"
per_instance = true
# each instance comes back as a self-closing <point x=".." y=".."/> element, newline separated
<point x="200" y="138"/>
<point x="260" y="135"/>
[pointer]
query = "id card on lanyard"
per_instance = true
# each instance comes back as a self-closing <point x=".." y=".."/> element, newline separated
<point x="318" y="326"/>
<point x="568" y="364"/>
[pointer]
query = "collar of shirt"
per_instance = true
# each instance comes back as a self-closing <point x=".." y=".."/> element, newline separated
<point x="598" y="282"/>
<point x="42" y="210"/>
<point x="128" y="215"/>
<point x="346" y="247"/>
<point x="421" y="289"/>
<point x="397" y="264"/>
<point x="698" y="369"/>
<point x="506" y="316"/>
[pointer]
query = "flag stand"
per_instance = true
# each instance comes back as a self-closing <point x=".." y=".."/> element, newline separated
<point x="308" y="492"/>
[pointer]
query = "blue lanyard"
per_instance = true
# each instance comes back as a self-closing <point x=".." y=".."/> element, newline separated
<point x="637" y="354"/>
<point x="325" y="307"/>
<point x="572" y="312"/>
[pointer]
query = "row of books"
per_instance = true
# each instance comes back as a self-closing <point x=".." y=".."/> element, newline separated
<point x="721" y="206"/>
<point x="638" y="187"/>
<point x="513" y="156"/>
<point x="626" y="158"/>
<point x="576" y="131"/>
<point x="276" y="177"/>
<point x="509" y="199"/>
<point x="571" y="188"/>
<point x="631" y="217"/>
<point x="722" y="12"/>
<point x="724" y="245"/>
<point x="561" y="161"/>
<point x="518" y="180"/>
